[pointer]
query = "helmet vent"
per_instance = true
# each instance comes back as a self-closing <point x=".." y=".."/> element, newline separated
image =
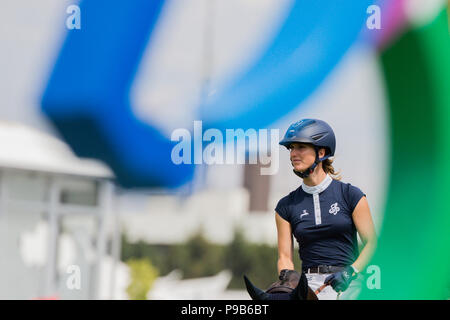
<point x="318" y="136"/>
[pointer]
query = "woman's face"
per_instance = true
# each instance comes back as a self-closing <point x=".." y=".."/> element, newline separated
<point x="303" y="155"/>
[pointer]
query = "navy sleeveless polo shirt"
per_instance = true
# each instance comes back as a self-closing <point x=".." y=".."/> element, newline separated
<point x="321" y="221"/>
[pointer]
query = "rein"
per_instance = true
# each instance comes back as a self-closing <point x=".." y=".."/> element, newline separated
<point x="320" y="288"/>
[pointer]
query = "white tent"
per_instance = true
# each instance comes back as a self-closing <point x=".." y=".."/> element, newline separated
<point x="25" y="148"/>
<point x="41" y="176"/>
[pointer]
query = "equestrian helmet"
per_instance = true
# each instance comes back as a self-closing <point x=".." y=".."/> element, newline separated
<point x="312" y="131"/>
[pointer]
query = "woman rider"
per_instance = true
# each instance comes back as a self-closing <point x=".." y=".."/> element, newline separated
<point x="323" y="214"/>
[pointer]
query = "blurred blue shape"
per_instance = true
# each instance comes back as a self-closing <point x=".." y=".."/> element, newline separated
<point x="87" y="96"/>
<point x="312" y="40"/>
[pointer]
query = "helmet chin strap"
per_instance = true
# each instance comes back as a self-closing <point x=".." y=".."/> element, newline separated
<point x="307" y="172"/>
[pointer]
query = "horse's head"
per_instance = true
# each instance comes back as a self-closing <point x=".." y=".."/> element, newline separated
<point x="293" y="286"/>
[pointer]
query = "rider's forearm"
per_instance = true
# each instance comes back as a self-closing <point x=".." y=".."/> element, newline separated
<point x="366" y="254"/>
<point x="285" y="263"/>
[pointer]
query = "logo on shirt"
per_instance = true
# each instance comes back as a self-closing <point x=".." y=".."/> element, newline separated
<point x="334" y="209"/>
<point x="305" y="213"/>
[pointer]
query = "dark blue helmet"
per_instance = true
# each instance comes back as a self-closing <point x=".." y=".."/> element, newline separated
<point x="312" y="131"/>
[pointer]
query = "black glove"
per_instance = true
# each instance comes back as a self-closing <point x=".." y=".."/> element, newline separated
<point x="284" y="274"/>
<point x="341" y="280"/>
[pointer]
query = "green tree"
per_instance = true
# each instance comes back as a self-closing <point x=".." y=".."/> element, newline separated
<point x="197" y="257"/>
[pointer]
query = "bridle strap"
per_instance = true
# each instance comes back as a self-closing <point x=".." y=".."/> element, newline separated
<point x="280" y="288"/>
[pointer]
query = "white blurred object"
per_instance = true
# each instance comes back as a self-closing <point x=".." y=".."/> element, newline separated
<point x="66" y="252"/>
<point x="33" y="245"/>
<point x="26" y="148"/>
<point x="215" y="212"/>
<point x="232" y="203"/>
<point x="120" y="273"/>
<point x="420" y="12"/>
<point x="171" y="287"/>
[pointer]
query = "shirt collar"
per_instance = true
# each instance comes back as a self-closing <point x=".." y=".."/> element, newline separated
<point x="319" y="188"/>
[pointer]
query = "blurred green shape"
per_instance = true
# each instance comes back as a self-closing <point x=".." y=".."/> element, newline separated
<point x="142" y="274"/>
<point x="413" y="250"/>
